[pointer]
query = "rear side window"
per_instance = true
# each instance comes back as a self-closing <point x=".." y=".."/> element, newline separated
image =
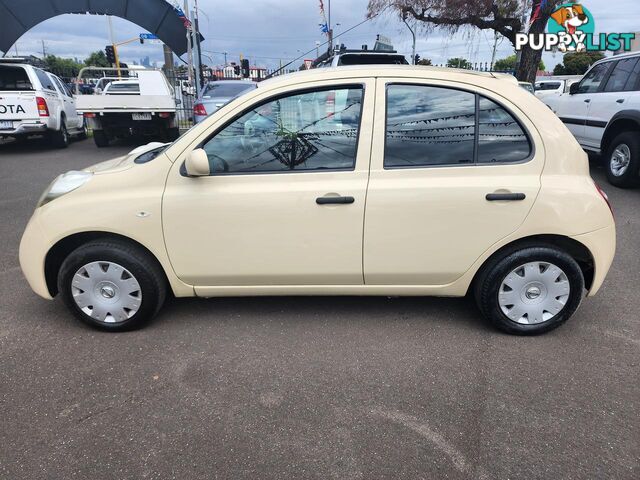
<point x="622" y="75"/>
<point x="45" y="80"/>
<point x="548" y="86"/>
<point x="431" y="126"/>
<point x="14" y="79"/>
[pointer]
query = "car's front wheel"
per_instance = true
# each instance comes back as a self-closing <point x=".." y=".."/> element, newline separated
<point x="623" y="160"/>
<point x="531" y="290"/>
<point x="112" y="285"/>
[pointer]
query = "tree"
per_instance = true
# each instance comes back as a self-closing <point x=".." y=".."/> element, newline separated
<point x="425" y="61"/>
<point x="459" y="63"/>
<point x="63" y="67"/>
<point x="509" y="64"/>
<point x="97" y="59"/>
<point x="577" y="63"/>
<point x="502" y="16"/>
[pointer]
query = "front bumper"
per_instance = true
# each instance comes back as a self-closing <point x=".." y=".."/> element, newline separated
<point x="602" y="245"/>
<point x="33" y="251"/>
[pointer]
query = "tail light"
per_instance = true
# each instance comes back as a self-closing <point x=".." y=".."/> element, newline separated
<point x="165" y="114"/>
<point x="43" y="109"/>
<point x="331" y="104"/>
<point x="198" y="109"/>
<point x="605" y="196"/>
<point x="89" y="115"/>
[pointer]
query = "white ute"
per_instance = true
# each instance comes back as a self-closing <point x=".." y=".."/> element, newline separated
<point x="35" y="102"/>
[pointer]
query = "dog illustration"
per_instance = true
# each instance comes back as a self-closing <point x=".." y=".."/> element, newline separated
<point x="571" y="18"/>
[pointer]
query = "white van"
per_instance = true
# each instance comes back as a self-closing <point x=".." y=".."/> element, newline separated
<point x="35" y="102"/>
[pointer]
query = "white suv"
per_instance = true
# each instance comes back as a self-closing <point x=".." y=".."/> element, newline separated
<point x="603" y="113"/>
<point x="35" y="102"/>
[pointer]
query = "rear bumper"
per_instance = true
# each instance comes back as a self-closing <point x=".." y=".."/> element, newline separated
<point x="25" y="128"/>
<point x="602" y="245"/>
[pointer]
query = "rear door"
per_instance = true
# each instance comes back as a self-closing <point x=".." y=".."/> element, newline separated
<point x="17" y="97"/>
<point x="437" y="152"/>
<point x="613" y="97"/>
<point x="68" y="103"/>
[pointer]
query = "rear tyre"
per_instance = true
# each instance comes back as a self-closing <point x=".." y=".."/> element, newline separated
<point x="530" y="291"/>
<point x="623" y="160"/>
<point x="100" y="138"/>
<point x="83" y="133"/>
<point x="112" y="285"/>
<point x="60" y="138"/>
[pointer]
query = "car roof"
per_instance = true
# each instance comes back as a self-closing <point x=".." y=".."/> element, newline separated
<point x="405" y="71"/>
<point x="617" y="57"/>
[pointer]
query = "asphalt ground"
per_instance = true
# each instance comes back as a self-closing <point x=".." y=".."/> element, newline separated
<point x="326" y="388"/>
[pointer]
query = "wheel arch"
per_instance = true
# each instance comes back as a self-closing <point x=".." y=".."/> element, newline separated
<point x="626" y="120"/>
<point x="578" y="251"/>
<point x="61" y="249"/>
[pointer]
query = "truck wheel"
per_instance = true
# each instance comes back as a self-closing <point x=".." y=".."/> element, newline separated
<point x="100" y="138"/>
<point x="172" y="134"/>
<point x="623" y="160"/>
<point x="60" y="139"/>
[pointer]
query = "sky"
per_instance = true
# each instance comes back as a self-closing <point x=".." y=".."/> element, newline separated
<point x="270" y="31"/>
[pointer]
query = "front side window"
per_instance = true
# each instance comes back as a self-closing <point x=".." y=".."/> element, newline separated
<point x="594" y="78"/>
<point x="429" y="126"/>
<point x="316" y="130"/>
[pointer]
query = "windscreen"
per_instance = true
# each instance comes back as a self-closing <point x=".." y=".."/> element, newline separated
<point x="371" y="59"/>
<point x="14" y="79"/>
<point x="225" y="89"/>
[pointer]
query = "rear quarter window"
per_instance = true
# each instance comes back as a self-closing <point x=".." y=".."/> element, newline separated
<point x="14" y="79"/>
<point x="45" y="80"/>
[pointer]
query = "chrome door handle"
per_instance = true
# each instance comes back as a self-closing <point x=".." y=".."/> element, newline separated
<point x="587" y="100"/>
<point x="620" y="100"/>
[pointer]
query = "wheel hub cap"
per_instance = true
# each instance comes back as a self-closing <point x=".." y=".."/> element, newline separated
<point x="534" y="293"/>
<point x="620" y="159"/>
<point x="106" y="291"/>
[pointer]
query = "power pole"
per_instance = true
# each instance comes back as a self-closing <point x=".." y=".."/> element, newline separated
<point x="413" y="34"/>
<point x="189" y="44"/>
<point x="44" y="51"/>
<point x="113" y="43"/>
<point x="330" y="32"/>
<point x="198" y="46"/>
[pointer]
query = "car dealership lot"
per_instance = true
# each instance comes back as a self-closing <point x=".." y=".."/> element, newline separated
<point x="311" y="387"/>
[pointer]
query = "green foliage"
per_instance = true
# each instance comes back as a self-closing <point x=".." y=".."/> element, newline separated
<point x="97" y="59"/>
<point x="509" y="63"/>
<point x="458" y="63"/>
<point x="425" y="61"/>
<point x="577" y="63"/>
<point x="62" y="67"/>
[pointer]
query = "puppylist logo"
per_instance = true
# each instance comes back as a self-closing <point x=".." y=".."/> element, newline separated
<point x="571" y="28"/>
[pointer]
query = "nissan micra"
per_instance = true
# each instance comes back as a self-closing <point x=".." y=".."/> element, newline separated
<point x="370" y="180"/>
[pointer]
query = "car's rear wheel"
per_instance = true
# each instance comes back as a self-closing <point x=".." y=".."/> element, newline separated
<point x="60" y="138"/>
<point x="623" y="160"/>
<point x="531" y="290"/>
<point x="112" y="285"/>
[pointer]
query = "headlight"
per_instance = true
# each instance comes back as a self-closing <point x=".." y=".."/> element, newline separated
<point x="65" y="183"/>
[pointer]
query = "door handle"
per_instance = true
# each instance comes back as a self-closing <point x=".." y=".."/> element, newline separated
<point x="620" y="100"/>
<point x="334" y="200"/>
<point x="513" y="197"/>
<point x="587" y="100"/>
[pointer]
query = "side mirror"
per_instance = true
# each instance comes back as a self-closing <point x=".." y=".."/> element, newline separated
<point x="574" y="88"/>
<point x="197" y="163"/>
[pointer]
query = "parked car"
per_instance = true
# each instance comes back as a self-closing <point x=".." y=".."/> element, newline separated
<point x="527" y="86"/>
<point x="215" y="94"/>
<point x="555" y="86"/>
<point x="344" y="57"/>
<point x="603" y="113"/>
<point x="185" y="87"/>
<point x="471" y="185"/>
<point x="35" y="102"/>
<point x="143" y="105"/>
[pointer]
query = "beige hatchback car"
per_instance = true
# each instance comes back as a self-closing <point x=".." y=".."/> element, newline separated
<point x="370" y="180"/>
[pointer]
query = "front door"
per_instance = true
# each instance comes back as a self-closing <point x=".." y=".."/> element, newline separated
<point x="452" y="173"/>
<point x="284" y="204"/>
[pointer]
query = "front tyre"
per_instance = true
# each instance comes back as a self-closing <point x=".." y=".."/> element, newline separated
<point x="530" y="291"/>
<point x="623" y="160"/>
<point x="112" y="285"/>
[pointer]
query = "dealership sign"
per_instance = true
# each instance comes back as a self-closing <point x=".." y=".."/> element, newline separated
<point x="571" y="28"/>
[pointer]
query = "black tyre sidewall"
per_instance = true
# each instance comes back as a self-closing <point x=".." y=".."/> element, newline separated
<point x="630" y="178"/>
<point x="100" y="138"/>
<point x="487" y="291"/>
<point x="59" y="139"/>
<point x="151" y="283"/>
